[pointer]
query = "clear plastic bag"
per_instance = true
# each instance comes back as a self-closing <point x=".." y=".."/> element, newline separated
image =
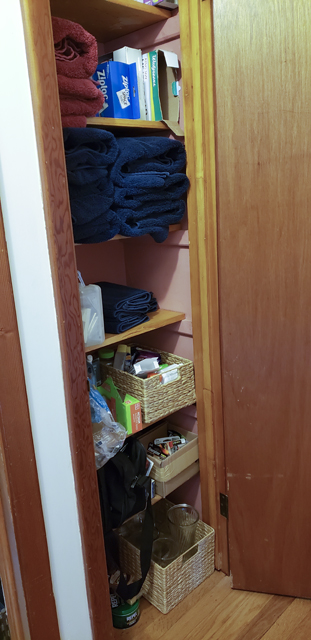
<point x="92" y="313"/>
<point x="108" y="435"/>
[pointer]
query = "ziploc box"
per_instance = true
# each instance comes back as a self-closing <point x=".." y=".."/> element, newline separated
<point x="162" y="87"/>
<point x="124" y="408"/>
<point x="118" y="82"/>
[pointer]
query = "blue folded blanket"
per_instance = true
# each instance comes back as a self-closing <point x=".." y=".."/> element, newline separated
<point x="125" y="307"/>
<point x="100" y="229"/>
<point x="175" y="186"/>
<point x="154" y="219"/>
<point x="144" y="161"/>
<point x="87" y="147"/>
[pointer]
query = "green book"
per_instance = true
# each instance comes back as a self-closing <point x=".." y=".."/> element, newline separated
<point x="156" y="112"/>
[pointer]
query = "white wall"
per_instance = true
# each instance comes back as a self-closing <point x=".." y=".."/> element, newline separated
<point x="21" y="198"/>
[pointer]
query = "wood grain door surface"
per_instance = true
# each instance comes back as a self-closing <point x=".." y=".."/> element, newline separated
<point x="263" y="139"/>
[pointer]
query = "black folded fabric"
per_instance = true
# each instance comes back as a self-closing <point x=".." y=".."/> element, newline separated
<point x="125" y="307"/>
<point x="142" y="160"/>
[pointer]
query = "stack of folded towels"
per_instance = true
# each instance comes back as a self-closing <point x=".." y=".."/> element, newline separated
<point x="132" y="186"/>
<point x="76" y="56"/>
<point x="125" y="307"/>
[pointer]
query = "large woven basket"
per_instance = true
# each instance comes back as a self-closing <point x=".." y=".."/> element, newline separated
<point x="166" y="587"/>
<point x="157" y="400"/>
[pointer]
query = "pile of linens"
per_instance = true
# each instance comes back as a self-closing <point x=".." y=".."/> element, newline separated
<point x="132" y="186"/>
<point x="125" y="307"/>
<point x="76" y="55"/>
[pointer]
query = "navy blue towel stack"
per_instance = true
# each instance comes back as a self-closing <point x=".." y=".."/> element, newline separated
<point x="149" y="185"/>
<point x="131" y="186"/>
<point x="89" y="155"/>
<point x="125" y="307"/>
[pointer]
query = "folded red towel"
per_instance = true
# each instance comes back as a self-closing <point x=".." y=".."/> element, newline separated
<point x="74" y="121"/>
<point x="76" y="50"/>
<point x="78" y="88"/>
<point x="79" y="107"/>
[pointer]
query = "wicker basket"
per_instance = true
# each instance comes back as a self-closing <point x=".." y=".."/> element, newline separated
<point x="157" y="400"/>
<point x="166" y="587"/>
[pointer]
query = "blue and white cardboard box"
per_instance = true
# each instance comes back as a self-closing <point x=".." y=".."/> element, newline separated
<point x="118" y="82"/>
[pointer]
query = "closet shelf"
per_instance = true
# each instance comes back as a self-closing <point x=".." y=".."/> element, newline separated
<point x="126" y="123"/>
<point x="172" y="227"/>
<point x="158" y="319"/>
<point x="109" y="19"/>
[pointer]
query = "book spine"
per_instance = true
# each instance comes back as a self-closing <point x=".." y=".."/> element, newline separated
<point x="156" y="113"/>
<point x="145" y="71"/>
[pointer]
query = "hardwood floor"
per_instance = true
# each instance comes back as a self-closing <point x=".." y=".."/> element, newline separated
<point x="214" y="611"/>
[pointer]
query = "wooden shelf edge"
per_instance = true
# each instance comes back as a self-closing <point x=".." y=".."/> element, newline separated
<point x="117" y="123"/>
<point x="172" y="229"/>
<point x="158" y="319"/>
<point x="156" y="499"/>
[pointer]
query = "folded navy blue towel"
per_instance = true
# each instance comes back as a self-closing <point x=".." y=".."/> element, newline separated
<point x="118" y="326"/>
<point x="86" y="147"/>
<point x="175" y="186"/>
<point x="125" y="307"/>
<point x="90" y="202"/>
<point x="100" y="229"/>
<point x="156" y="222"/>
<point x="87" y="176"/>
<point x="123" y="298"/>
<point x="149" y="158"/>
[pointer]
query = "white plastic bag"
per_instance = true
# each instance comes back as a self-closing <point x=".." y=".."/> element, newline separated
<point x="92" y="313"/>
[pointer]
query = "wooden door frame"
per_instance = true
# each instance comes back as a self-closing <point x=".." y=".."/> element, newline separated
<point x="198" y="95"/>
<point x="24" y="558"/>
<point x="45" y="100"/>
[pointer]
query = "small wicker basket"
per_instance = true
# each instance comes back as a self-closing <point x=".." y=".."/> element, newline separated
<point x="166" y="587"/>
<point x="157" y="400"/>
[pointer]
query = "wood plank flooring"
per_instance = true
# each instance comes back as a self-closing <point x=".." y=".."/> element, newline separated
<point x="214" y="611"/>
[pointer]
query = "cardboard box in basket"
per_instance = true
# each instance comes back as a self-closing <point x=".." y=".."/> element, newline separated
<point x="157" y="400"/>
<point x="177" y="468"/>
<point x="166" y="586"/>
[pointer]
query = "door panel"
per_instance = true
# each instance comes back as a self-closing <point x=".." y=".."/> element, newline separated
<point x="263" y="138"/>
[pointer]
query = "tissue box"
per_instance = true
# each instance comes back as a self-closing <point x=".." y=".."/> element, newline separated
<point x="118" y="82"/>
<point x="124" y="408"/>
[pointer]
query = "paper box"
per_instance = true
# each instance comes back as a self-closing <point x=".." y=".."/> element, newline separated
<point x="162" y="88"/>
<point x="124" y="408"/>
<point x="131" y="56"/>
<point x="173" y="471"/>
<point x="118" y="82"/>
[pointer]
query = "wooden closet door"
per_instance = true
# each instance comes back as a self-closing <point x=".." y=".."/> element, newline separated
<point x="263" y="136"/>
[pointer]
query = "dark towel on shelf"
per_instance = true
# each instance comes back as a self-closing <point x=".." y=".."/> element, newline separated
<point x="89" y="147"/>
<point x="123" y="298"/>
<point x="91" y="201"/>
<point x="153" y="219"/>
<point x="100" y="229"/>
<point x="145" y="158"/>
<point x="125" y="307"/>
<point x="119" y="326"/>
<point x="76" y="50"/>
<point x="175" y="186"/>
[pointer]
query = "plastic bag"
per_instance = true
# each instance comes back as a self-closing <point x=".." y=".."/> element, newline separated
<point x="108" y="435"/>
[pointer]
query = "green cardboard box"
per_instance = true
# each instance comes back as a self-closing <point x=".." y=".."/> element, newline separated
<point x="124" y="408"/>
